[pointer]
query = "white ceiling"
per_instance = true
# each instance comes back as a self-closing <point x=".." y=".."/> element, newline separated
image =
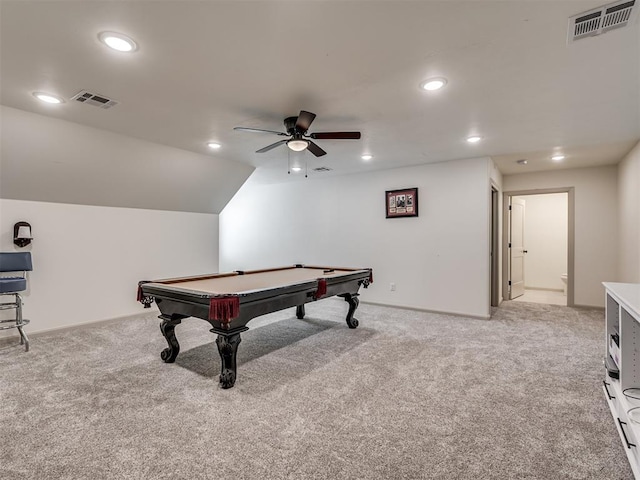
<point x="204" y="67"/>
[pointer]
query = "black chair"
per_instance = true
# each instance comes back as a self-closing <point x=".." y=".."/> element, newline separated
<point x="15" y="262"/>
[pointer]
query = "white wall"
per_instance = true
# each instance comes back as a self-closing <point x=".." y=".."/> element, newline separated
<point x="596" y="223"/>
<point x="545" y="239"/>
<point x="629" y="199"/>
<point x="87" y="260"/>
<point x="438" y="261"/>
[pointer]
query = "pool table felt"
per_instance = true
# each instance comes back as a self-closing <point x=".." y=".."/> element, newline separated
<point x="236" y="284"/>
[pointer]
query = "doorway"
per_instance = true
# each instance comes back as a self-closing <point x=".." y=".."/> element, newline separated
<point x="538" y="246"/>
<point x="494" y="280"/>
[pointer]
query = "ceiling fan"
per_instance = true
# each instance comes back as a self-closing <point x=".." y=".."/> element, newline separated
<point x="299" y="139"/>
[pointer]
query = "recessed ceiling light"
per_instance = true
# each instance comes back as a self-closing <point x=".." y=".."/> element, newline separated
<point x="47" y="97"/>
<point x="118" y="41"/>
<point x="433" y="83"/>
<point x="214" y="145"/>
<point x="557" y="158"/>
<point x="474" y="139"/>
<point x="296" y="169"/>
<point x="367" y="157"/>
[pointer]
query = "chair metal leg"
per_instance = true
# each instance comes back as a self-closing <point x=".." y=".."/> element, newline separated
<point x="24" y="340"/>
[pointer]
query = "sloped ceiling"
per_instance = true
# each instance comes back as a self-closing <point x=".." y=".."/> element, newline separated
<point x="204" y="67"/>
<point x="50" y="160"/>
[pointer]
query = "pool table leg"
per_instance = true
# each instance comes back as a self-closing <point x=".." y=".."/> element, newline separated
<point x="300" y="311"/>
<point x="352" y="300"/>
<point x="167" y="327"/>
<point x="228" y="348"/>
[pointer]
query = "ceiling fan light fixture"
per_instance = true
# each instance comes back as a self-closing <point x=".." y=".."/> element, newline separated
<point x="297" y="145"/>
<point x="296" y="169"/>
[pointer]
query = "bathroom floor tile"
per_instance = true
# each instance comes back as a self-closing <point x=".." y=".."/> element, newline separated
<point x="542" y="296"/>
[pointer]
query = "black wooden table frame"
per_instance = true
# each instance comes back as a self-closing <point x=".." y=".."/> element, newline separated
<point x="176" y="304"/>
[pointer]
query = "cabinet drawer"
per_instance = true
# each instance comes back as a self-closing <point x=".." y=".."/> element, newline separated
<point x="629" y="435"/>
<point x="628" y="431"/>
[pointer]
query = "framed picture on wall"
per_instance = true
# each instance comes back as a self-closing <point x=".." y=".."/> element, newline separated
<point x="401" y="203"/>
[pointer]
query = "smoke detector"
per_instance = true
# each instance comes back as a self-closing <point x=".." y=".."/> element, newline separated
<point x="94" y="99"/>
<point x="601" y="20"/>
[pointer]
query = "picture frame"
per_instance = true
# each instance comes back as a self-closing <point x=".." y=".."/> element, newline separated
<point x="401" y="203"/>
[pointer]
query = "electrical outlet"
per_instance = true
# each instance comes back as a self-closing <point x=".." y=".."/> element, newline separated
<point x="392" y="287"/>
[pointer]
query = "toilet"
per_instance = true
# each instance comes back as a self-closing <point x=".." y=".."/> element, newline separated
<point x="563" y="277"/>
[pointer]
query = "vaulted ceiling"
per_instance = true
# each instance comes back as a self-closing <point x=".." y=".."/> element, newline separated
<point x="202" y="68"/>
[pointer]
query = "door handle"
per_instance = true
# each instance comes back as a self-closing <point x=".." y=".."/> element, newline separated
<point x="525" y="251"/>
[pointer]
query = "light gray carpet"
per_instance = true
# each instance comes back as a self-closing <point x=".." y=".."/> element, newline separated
<point x="406" y="395"/>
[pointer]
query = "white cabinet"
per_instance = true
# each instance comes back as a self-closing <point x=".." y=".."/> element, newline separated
<point x="622" y="382"/>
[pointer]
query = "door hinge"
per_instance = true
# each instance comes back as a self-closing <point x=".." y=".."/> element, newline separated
<point x="509" y="244"/>
<point x="509" y="282"/>
<point x="509" y="207"/>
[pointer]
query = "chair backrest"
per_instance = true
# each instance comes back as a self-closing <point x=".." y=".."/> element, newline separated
<point x="15" y="262"/>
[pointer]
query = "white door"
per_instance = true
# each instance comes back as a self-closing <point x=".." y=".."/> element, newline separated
<point x="516" y="248"/>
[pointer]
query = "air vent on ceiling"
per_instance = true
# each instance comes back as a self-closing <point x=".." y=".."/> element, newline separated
<point x="94" y="99"/>
<point x="601" y="20"/>
<point x="322" y="169"/>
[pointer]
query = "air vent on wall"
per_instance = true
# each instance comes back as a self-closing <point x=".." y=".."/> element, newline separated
<point x="94" y="99"/>
<point x="601" y="20"/>
<point x="322" y="169"/>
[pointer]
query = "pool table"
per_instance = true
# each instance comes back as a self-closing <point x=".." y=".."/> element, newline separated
<point x="228" y="301"/>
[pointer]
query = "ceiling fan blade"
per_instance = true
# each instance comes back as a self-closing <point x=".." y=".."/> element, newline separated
<point x="336" y="135"/>
<point x="315" y="149"/>
<point x="272" y="146"/>
<point x="259" y="130"/>
<point x="304" y="121"/>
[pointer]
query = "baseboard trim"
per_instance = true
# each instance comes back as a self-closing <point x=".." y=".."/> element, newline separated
<point x="588" y="307"/>
<point x="107" y="321"/>
<point x="543" y="289"/>
<point x="427" y="310"/>
<point x="77" y="326"/>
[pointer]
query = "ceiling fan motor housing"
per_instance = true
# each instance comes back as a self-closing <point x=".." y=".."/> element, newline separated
<point x="290" y="125"/>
